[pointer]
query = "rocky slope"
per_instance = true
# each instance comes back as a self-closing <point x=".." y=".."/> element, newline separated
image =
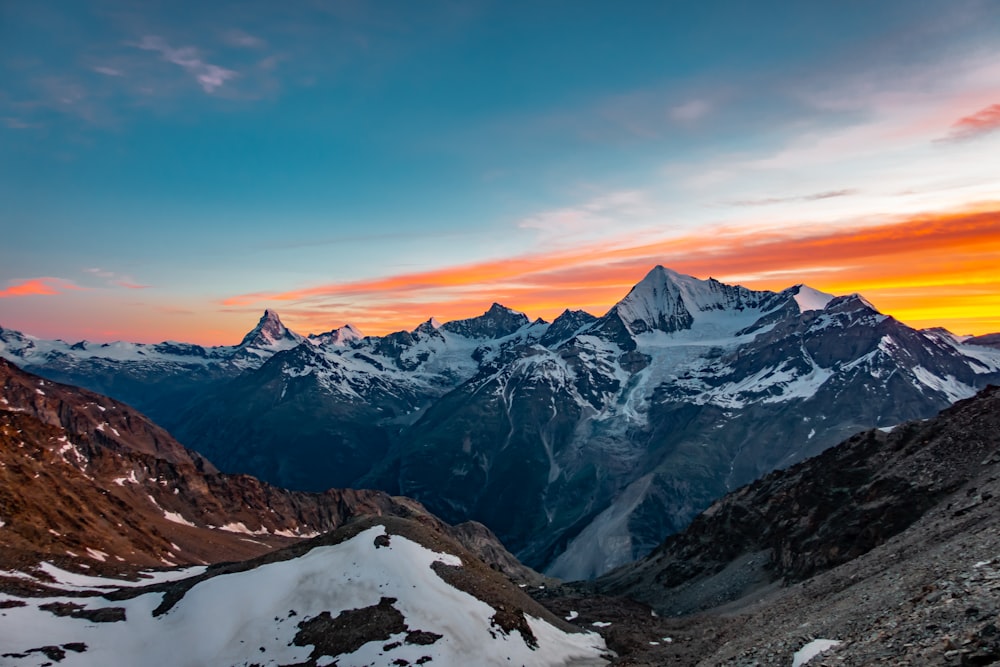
<point x="88" y="483"/>
<point x="888" y="544"/>
<point x="583" y="442"/>
<point x="820" y="513"/>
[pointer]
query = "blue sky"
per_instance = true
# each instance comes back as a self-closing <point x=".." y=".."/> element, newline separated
<point x="163" y="160"/>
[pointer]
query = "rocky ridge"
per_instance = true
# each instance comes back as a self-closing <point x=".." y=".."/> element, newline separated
<point x="888" y="544"/>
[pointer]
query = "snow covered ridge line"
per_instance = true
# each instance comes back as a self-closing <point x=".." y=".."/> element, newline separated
<point x="270" y="335"/>
<point x="308" y="608"/>
<point x="267" y="338"/>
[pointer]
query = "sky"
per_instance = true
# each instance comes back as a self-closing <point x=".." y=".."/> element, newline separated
<point x="169" y="169"/>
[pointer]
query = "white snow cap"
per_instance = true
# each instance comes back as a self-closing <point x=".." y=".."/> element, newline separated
<point x="811" y="299"/>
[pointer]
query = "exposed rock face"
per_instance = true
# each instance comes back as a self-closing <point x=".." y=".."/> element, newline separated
<point x="988" y="340"/>
<point x="496" y="322"/>
<point x="823" y="512"/>
<point x="843" y="547"/>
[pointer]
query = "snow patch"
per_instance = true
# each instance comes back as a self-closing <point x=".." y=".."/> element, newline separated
<point x="254" y="616"/>
<point x="811" y="650"/>
<point x="120" y="481"/>
<point x="951" y="387"/>
<point x="240" y="527"/>
<point x="177" y="518"/>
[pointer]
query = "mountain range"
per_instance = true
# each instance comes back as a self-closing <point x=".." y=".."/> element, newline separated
<point x="582" y="443"/>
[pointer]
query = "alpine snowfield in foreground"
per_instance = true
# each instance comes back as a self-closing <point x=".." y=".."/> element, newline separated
<point x="373" y="599"/>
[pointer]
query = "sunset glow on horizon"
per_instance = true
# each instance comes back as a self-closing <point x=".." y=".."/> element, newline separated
<point x="927" y="271"/>
<point x="170" y="171"/>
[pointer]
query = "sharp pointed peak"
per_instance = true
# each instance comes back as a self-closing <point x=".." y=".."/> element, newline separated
<point x="430" y="324"/>
<point x="500" y="308"/>
<point x="269" y="330"/>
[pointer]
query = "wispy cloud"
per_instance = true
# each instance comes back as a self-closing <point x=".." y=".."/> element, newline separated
<point x="18" y="124"/>
<point x="241" y="39"/>
<point x="690" y="111"/>
<point x="209" y="76"/>
<point x="983" y="122"/>
<point x="597" y="214"/>
<point x="108" y="71"/>
<point x="113" y="279"/>
<point x="817" y="196"/>
<point x="44" y="286"/>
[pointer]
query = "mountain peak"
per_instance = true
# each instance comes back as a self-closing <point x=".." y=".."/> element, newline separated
<point x="808" y="298"/>
<point x="499" y="309"/>
<point x="429" y="327"/>
<point x="497" y="322"/>
<point x="655" y="303"/>
<point x="269" y="331"/>
<point x="665" y="300"/>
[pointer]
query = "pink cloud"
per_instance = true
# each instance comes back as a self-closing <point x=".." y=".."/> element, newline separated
<point x="981" y="123"/>
<point x="45" y="286"/>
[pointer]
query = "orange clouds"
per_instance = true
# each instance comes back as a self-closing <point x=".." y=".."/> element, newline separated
<point x="927" y="270"/>
<point x="38" y="286"/>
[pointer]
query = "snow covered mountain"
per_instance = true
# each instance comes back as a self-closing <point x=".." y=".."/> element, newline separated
<point x="582" y="442"/>
<point x="155" y="378"/>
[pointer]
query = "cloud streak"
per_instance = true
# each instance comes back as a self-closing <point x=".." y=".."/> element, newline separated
<point x="116" y="279"/>
<point x="977" y="125"/>
<point x="817" y="196"/>
<point x="242" y="39"/>
<point x="891" y="261"/>
<point x="44" y="286"/>
<point x="209" y="76"/>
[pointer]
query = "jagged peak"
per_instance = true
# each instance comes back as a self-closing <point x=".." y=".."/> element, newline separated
<point x="350" y="329"/>
<point x="429" y="327"/>
<point x="340" y="335"/>
<point x="269" y="330"/>
<point x="500" y="309"/>
<point x="855" y="300"/>
<point x="496" y="322"/>
<point x="669" y="301"/>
